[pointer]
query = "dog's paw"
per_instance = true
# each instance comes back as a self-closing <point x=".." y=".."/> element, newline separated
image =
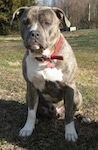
<point x="26" y="131"/>
<point x="70" y="132"/>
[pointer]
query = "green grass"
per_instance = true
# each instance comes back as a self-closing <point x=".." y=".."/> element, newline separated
<point x="85" y="46"/>
<point x="11" y="80"/>
<point x="12" y="85"/>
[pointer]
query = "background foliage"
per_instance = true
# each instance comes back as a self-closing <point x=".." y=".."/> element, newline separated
<point x="7" y="7"/>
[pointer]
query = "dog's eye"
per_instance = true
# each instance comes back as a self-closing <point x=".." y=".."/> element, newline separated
<point x="47" y="23"/>
<point x="25" y="21"/>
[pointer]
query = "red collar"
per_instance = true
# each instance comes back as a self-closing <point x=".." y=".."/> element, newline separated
<point x="54" y="55"/>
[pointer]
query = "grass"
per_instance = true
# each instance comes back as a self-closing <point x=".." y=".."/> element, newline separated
<point x="85" y="45"/>
<point x="12" y="96"/>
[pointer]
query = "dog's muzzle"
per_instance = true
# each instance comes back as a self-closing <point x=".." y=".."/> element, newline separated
<point x="35" y="42"/>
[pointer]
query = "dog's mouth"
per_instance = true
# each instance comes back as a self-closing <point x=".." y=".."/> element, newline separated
<point x="35" y="47"/>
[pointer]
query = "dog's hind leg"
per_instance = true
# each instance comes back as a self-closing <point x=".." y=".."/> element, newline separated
<point x="77" y="99"/>
<point x="32" y="101"/>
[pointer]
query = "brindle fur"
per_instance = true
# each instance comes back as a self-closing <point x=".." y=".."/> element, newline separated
<point x="66" y="89"/>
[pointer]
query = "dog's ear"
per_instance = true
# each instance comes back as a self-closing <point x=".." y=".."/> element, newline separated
<point x="17" y="14"/>
<point x="61" y="15"/>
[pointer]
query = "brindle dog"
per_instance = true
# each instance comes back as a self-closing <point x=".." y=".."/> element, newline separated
<point x="49" y="66"/>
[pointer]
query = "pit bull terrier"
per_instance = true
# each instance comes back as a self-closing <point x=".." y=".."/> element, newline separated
<point x="49" y="65"/>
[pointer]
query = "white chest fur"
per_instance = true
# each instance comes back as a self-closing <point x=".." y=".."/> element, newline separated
<point x="37" y="73"/>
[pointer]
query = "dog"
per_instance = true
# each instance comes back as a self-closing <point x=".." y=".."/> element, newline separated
<point x="49" y="65"/>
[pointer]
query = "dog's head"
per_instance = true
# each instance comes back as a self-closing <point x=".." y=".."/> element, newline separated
<point x="40" y="26"/>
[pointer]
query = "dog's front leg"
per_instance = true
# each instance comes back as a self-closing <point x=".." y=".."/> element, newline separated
<point x="32" y="101"/>
<point x="70" y="131"/>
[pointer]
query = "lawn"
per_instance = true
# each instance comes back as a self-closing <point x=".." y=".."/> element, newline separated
<point x="49" y="134"/>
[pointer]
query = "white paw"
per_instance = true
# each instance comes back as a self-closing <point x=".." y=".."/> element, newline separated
<point x="29" y="125"/>
<point x="26" y="131"/>
<point x="70" y="132"/>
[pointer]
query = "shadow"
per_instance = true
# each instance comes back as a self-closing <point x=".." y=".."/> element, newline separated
<point x="48" y="134"/>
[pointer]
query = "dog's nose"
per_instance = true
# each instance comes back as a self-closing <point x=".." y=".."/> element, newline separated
<point x="35" y="34"/>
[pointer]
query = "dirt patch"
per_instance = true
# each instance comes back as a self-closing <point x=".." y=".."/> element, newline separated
<point x="48" y="134"/>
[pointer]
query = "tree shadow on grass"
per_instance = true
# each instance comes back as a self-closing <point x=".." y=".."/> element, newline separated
<point x="48" y="134"/>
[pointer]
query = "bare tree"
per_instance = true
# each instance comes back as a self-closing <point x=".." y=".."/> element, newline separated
<point x="81" y="13"/>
